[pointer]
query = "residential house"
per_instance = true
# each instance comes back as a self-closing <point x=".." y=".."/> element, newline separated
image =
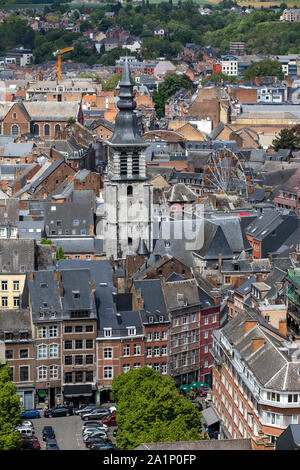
<point x="63" y="313"/>
<point x="9" y="217"/>
<point x="16" y="336"/>
<point x="289" y="195"/>
<point x="269" y="230"/>
<point x="159" y="32"/>
<point x="193" y="316"/>
<point x="148" y="298"/>
<point x="50" y="176"/>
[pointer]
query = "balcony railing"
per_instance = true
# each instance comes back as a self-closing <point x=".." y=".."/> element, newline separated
<point x="294" y="275"/>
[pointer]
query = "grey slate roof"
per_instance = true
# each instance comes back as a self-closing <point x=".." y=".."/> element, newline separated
<point x="152" y="294"/>
<point x="68" y="219"/>
<point x="9" y="211"/>
<point x="45" y="293"/>
<point x="14" y="320"/>
<point x="17" y="255"/>
<point x="245" y="288"/>
<point x="187" y="288"/>
<point x="270" y="364"/>
<point x="80" y="245"/>
<point x="17" y="149"/>
<point x="215" y="243"/>
<point x="31" y="229"/>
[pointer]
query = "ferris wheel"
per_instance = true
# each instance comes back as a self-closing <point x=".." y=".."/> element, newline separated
<point x="225" y="172"/>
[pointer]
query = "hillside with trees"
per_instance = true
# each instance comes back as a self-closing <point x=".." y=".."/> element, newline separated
<point x="261" y="30"/>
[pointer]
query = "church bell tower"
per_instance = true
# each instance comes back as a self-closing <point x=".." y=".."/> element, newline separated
<point x="128" y="195"/>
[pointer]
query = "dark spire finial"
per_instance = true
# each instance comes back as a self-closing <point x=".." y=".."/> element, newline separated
<point x="126" y="124"/>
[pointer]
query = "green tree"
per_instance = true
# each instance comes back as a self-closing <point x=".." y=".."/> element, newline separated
<point x="71" y="121"/>
<point x="44" y="241"/>
<point x="10" y="410"/>
<point x="264" y="68"/>
<point x="167" y="88"/>
<point x="287" y="139"/>
<point x="150" y="409"/>
<point x="112" y="82"/>
<point x="218" y="78"/>
<point x="60" y="254"/>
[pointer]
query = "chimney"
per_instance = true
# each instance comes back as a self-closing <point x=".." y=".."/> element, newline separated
<point x="139" y="300"/>
<point x="257" y="343"/>
<point x="220" y="263"/>
<point x="248" y="325"/>
<point x="31" y="276"/>
<point x="282" y="327"/>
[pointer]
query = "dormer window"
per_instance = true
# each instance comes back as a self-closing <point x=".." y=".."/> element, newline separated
<point x="76" y="294"/>
<point x="151" y="319"/>
<point x="131" y="331"/>
<point x="107" y="332"/>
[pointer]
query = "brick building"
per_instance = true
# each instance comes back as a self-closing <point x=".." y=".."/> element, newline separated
<point x="255" y="379"/>
<point x="44" y="119"/>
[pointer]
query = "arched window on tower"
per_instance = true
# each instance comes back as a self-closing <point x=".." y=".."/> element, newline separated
<point x="129" y="191"/>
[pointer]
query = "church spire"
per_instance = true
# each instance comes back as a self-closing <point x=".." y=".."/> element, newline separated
<point x="126" y="124"/>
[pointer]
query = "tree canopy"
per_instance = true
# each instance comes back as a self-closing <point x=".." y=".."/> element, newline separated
<point x="150" y="409"/>
<point x="10" y="410"/>
<point x="264" y="68"/>
<point x="288" y="138"/>
<point x="167" y="88"/>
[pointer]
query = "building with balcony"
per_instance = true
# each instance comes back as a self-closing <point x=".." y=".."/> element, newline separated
<point x="255" y="378"/>
<point x="289" y="195"/>
<point x="293" y="303"/>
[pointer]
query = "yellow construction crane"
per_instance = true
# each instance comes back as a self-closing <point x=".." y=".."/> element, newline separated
<point x="59" y="53"/>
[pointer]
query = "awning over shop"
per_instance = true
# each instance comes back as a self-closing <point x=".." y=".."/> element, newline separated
<point x="78" y="390"/>
<point x="209" y="415"/>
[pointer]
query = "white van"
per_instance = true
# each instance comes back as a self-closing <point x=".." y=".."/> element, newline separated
<point x="25" y="431"/>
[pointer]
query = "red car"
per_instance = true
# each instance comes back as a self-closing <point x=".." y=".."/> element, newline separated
<point x="30" y="444"/>
<point x="110" y="420"/>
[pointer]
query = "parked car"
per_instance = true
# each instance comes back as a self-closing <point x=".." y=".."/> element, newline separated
<point x="30" y="444"/>
<point x="112" y="409"/>
<point x="97" y="413"/>
<point x="28" y="423"/>
<point x="48" y="433"/>
<point x="85" y="409"/>
<point x="104" y="446"/>
<point x="101" y="434"/>
<point x="97" y="440"/>
<point x="89" y="431"/>
<point x="110" y="420"/>
<point x="30" y="414"/>
<point x="59" y="411"/>
<point x="25" y="431"/>
<point x="94" y="424"/>
<point x="52" y="445"/>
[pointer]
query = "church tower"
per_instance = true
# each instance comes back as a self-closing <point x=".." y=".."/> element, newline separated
<point x="127" y="193"/>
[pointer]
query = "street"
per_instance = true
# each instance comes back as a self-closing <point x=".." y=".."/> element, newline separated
<point x="68" y="431"/>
